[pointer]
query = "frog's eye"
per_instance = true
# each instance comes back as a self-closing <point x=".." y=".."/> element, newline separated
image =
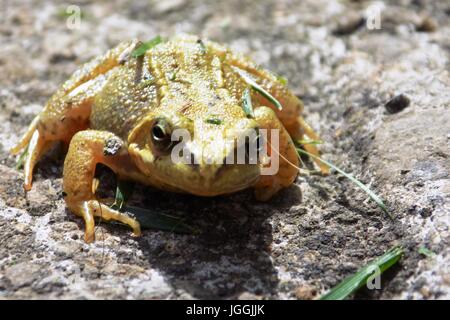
<point x="161" y="135"/>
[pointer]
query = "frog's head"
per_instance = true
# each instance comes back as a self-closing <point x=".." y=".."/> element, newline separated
<point x="204" y="156"/>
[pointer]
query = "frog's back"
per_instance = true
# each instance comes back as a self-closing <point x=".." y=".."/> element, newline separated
<point x="125" y="98"/>
<point x="182" y="75"/>
<point x="114" y="92"/>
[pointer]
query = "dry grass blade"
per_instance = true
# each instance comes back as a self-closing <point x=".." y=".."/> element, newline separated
<point x="361" y="185"/>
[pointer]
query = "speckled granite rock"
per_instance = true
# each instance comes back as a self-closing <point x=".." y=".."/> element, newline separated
<point x="297" y="245"/>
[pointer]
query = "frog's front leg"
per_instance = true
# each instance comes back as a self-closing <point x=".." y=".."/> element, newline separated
<point x="87" y="149"/>
<point x="268" y="185"/>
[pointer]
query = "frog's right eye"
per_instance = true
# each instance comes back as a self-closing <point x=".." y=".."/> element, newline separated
<point x="161" y="133"/>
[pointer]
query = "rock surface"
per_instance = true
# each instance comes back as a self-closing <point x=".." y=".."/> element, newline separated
<point x="311" y="235"/>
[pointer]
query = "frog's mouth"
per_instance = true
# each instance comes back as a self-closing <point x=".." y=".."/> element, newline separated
<point x="199" y="179"/>
<point x="224" y="180"/>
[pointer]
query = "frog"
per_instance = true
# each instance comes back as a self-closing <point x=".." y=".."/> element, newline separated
<point x="120" y="108"/>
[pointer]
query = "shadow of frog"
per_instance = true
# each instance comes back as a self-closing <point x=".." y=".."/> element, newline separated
<point x="231" y="255"/>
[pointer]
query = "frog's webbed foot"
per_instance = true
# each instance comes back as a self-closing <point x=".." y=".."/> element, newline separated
<point x="284" y="149"/>
<point x="94" y="208"/>
<point x="86" y="150"/>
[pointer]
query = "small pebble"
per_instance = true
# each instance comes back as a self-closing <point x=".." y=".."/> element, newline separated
<point x="397" y="103"/>
<point x="248" y="296"/>
<point x="74" y="237"/>
<point x="348" y="25"/>
<point x="425" y="292"/>
<point x="427" y="25"/>
<point x="305" y="292"/>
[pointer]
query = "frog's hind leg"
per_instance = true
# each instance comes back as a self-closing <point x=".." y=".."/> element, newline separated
<point x="25" y="140"/>
<point x="290" y="115"/>
<point x="284" y="151"/>
<point x="37" y="146"/>
<point x="68" y="110"/>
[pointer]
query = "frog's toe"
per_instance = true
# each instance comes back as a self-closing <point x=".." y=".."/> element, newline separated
<point x="106" y="213"/>
<point x="93" y="208"/>
<point x="86" y="213"/>
<point x="36" y="148"/>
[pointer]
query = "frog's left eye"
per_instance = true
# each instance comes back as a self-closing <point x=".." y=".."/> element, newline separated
<point x="161" y="133"/>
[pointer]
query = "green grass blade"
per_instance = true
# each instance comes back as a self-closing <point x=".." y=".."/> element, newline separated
<point x="21" y="160"/>
<point x="65" y="12"/>
<point x="142" y="49"/>
<point x="362" y="186"/>
<point x="258" y="88"/>
<point x="247" y="104"/>
<point x="352" y="283"/>
<point x="215" y="121"/>
<point x="426" y="252"/>
<point x="124" y="190"/>
<point x="313" y="142"/>
<point x="149" y="219"/>
<point x="282" y="80"/>
<point x="203" y="48"/>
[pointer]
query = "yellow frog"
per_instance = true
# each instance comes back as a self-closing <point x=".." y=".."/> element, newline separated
<point x="120" y="110"/>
